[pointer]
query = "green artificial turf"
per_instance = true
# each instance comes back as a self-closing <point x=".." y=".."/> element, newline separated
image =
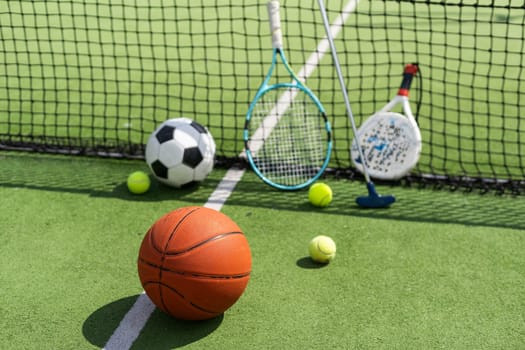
<point x="70" y="237"/>
<point x="437" y="270"/>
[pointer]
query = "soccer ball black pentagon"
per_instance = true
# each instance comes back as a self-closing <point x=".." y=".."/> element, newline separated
<point x="180" y="151"/>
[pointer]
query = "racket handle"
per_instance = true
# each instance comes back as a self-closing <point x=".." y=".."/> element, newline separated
<point x="408" y="75"/>
<point x="275" y="24"/>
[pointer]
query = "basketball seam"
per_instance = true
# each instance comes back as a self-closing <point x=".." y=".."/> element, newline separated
<point x="198" y="244"/>
<point x="150" y="234"/>
<point x="196" y="274"/>
<point x="161" y="268"/>
<point x="183" y="297"/>
<point x="152" y="243"/>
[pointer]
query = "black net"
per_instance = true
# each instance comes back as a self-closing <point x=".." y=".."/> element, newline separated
<point x="96" y="77"/>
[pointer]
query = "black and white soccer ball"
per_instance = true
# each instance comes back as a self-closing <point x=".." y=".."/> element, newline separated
<point x="180" y="151"/>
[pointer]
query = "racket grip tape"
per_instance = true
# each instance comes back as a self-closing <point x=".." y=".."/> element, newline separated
<point x="275" y="24"/>
<point x="409" y="73"/>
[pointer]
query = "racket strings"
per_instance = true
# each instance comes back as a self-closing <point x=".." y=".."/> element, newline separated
<point x="292" y="142"/>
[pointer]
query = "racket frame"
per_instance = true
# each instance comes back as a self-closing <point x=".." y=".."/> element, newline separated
<point x="252" y="146"/>
<point x="401" y="98"/>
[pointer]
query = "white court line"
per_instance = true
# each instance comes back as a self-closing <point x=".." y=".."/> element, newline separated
<point x="131" y="325"/>
<point x="225" y="188"/>
<point x="134" y="321"/>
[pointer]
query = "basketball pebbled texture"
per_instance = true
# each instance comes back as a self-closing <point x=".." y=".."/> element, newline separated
<point x="194" y="263"/>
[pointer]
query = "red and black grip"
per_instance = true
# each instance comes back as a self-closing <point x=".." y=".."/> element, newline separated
<point x="409" y="73"/>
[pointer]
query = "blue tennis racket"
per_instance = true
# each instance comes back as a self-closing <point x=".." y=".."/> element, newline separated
<point x="287" y="136"/>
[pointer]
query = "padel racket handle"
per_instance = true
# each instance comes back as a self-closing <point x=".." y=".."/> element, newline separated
<point x="275" y="24"/>
<point x="409" y="73"/>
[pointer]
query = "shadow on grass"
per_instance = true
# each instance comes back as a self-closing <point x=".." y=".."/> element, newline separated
<point x="95" y="177"/>
<point x="307" y="263"/>
<point x="160" y="332"/>
<point x="413" y="204"/>
<point x="105" y="178"/>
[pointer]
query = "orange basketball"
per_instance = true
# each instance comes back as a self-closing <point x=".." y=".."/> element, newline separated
<point x="194" y="263"/>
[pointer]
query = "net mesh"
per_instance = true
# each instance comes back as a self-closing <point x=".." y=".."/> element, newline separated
<point x="97" y="76"/>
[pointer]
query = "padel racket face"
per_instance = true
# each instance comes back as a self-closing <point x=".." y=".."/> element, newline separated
<point x="391" y="145"/>
<point x="287" y="134"/>
<point x="390" y="141"/>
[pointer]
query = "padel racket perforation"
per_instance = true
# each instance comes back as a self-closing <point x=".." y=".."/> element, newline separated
<point x="390" y="141"/>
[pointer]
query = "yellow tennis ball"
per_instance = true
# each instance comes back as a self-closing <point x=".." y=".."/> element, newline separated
<point x="320" y="194"/>
<point x="138" y="182"/>
<point x="322" y="249"/>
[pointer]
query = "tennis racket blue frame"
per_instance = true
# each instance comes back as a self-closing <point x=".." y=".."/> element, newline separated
<point x="265" y="88"/>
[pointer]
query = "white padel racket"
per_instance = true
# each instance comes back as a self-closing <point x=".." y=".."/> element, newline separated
<point x="390" y="141"/>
